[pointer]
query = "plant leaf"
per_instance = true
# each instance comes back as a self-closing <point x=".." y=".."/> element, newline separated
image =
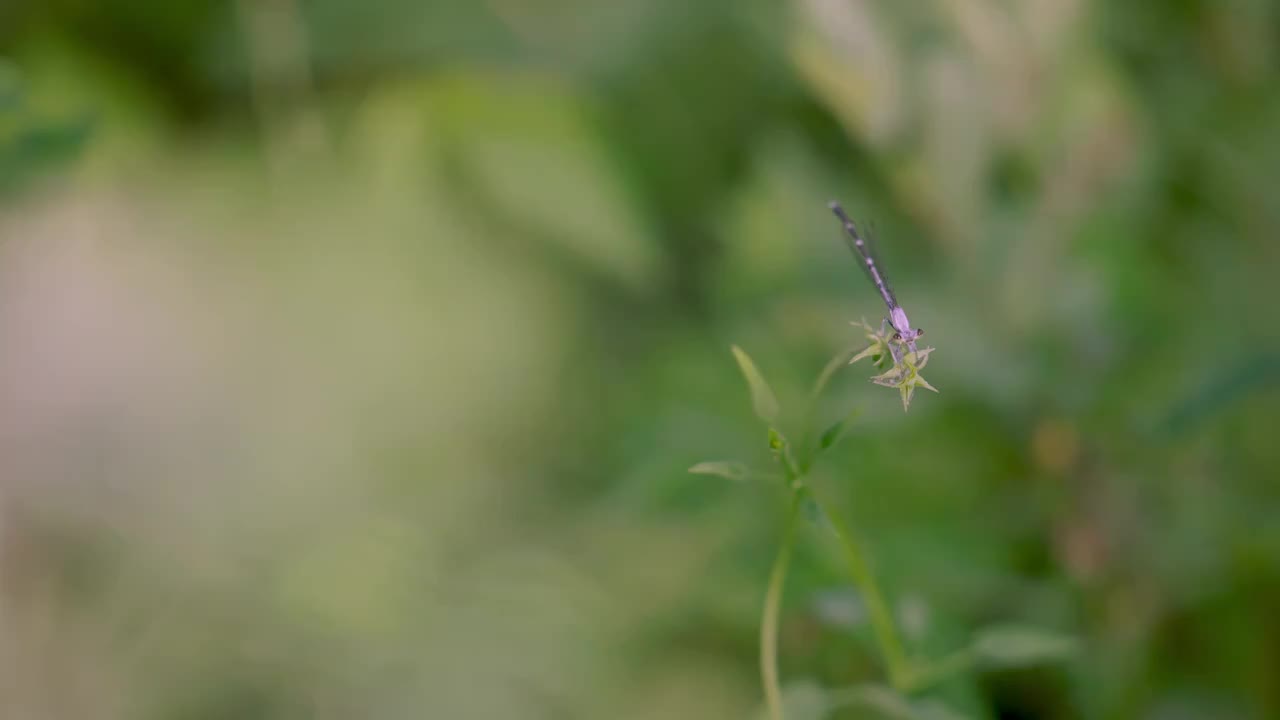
<point x="892" y="377"/>
<point x="874" y="350"/>
<point x="1007" y="646"/>
<point x="881" y="702"/>
<point x="762" y="398"/>
<point x="831" y="435"/>
<point x="728" y="469"/>
<point x="934" y="710"/>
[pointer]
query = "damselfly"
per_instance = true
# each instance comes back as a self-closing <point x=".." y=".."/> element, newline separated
<point x="904" y="333"/>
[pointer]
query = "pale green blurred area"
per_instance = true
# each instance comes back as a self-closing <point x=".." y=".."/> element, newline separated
<point x="352" y="354"/>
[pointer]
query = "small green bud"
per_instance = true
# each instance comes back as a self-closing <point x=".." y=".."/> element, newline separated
<point x="776" y="441"/>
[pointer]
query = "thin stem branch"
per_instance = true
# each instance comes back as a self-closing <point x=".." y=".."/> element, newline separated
<point x="795" y="474"/>
<point x="807" y="441"/>
<point x="773" y="611"/>
<point x="882" y="622"/>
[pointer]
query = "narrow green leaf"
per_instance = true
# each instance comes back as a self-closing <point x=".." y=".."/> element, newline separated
<point x="762" y="398"/>
<point x="831" y="435"/>
<point x="1018" y="646"/>
<point x="727" y="469"/>
<point x="893" y="377"/>
<point x="872" y="351"/>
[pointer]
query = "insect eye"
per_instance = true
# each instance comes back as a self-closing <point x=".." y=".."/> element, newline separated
<point x="919" y="332"/>
<point x="897" y="336"/>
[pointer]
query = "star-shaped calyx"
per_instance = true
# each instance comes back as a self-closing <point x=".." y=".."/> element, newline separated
<point x="904" y="374"/>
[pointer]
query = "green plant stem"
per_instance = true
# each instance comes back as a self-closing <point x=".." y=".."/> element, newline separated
<point x="882" y="622"/>
<point x="773" y="610"/>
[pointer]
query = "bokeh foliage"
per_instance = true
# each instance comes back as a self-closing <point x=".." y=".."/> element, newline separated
<point x="352" y="354"/>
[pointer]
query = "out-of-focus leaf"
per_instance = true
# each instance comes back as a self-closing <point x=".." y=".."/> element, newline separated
<point x="728" y="469"/>
<point x="934" y="710"/>
<point x="39" y="146"/>
<point x="52" y="141"/>
<point x="834" y="51"/>
<point x="831" y="435"/>
<point x="839" y="607"/>
<point x="878" y="701"/>
<point x="31" y="143"/>
<point x="1019" y="646"/>
<point x="763" y="400"/>
<point x="529" y="148"/>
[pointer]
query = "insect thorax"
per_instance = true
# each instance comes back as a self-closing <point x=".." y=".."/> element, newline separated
<point x="900" y="322"/>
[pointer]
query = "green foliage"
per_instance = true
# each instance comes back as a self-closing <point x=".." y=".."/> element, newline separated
<point x="809" y="701"/>
<point x="763" y="400"/>
<point x="831" y="435"/>
<point x="31" y="143"/>
<point x="1015" y="646"/>
<point x="374" y="339"/>
<point x="726" y="469"/>
<point x="994" y="647"/>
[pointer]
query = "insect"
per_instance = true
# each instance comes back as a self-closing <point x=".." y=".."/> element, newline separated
<point x="903" y="332"/>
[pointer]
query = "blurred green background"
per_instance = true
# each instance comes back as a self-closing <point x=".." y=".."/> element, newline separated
<point x="352" y="354"/>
